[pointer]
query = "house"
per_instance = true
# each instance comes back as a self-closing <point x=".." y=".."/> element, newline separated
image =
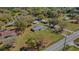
<point x="74" y="21"/>
<point x="36" y="22"/>
<point x="7" y="37"/>
<point x="38" y="28"/>
<point x="66" y="18"/>
<point x="44" y="21"/>
<point x="7" y="33"/>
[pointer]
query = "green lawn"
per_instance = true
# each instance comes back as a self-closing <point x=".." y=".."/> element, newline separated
<point x="46" y="35"/>
<point x="40" y="24"/>
<point x="71" y="48"/>
<point x="72" y="26"/>
<point x="77" y="40"/>
<point x="66" y="33"/>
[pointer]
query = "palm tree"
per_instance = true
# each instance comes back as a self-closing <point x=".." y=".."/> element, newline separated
<point x="20" y="24"/>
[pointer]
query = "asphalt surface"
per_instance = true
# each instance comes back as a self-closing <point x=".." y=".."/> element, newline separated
<point x="60" y="44"/>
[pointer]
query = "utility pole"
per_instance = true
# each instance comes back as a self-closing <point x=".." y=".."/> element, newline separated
<point x="65" y="43"/>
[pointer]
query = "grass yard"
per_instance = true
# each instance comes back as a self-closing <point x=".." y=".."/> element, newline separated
<point x="20" y="41"/>
<point x="40" y="24"/>
<point x="66" y="33"/>
<point x="72" y="26"/>
<point x="71" y="48"/>
<point x="47" y="36"/>
<point x="77" y="40"/>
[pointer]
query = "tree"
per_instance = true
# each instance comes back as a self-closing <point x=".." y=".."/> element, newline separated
<point x="5" y="17"/>
<point x="29" y="19"/>
<point x="23" y="21"/>
<point x="77" y="18"/>
<point x="20" y="24"/>
<point x="53" y="22"/>
<point x="31" y="42"/>
<point x="62" y="25"/>
<point x="57" y="28"/>
<point x="34" y="43"/>
<point x="52" y="14"/>
<point x="41" y="16"/>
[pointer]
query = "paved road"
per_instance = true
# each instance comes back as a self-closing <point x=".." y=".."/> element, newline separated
<point x="60" y="44"/>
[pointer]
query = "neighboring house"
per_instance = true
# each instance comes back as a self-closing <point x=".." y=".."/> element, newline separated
<point x="11" y="32"/>
<point x="36" y="22"/>
<point x="44" y="21"/>
<point x="74" y="21"/>
<point x="38" y="28"/>
<point x="7" y="37"/>
<point x="66" y="18"/>
<point x="7" y="33"/>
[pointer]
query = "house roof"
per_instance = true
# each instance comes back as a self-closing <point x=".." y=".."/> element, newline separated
<point x="7" y="33"/>
<point x="37" y="28"/>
